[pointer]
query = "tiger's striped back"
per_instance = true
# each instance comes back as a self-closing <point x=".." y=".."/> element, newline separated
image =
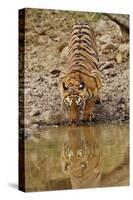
<point x="80" y="82"/>
<point x="82" y="49"/>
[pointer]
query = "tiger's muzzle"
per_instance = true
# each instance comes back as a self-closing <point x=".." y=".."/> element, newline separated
<point x="73" y="105"/>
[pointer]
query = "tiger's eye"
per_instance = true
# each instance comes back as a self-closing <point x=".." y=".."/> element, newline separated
<point x="64" y="87"/>
<point x="81" y="86"/>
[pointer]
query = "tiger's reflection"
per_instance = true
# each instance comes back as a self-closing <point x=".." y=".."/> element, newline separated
<point x="81" y="157"/>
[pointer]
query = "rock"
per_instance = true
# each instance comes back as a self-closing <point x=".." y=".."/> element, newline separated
<point x="27" y="122"/>
<point x="39" y="78"/>
<point x="106" y="48"/>
<point x="106" y="71"/>
<point x="122" y="106"/>
<point x="56" y="39"/>
<point x="105" y="39"/>
<point x="50" y="57"/>
<point x="29" y="101"/>
<point x="105" y="65"/>
<point x="124" y="51"/>
<point x="40" y="30"/>
<point x="50" y="117"/>
<point x="113" y="72"/>
<point x="64" y="53"/>
<point x="101" y="26"/>
<point x="46" y="116"/>
<point x="123" y="48"/>
<point x="34" y="112"/>
<point x="62" y="46"/>
<point x="55" y="73"/>
<point x="118" y="58"/>
<point x="34" y="126"/>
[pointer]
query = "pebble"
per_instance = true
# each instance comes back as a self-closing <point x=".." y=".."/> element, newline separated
<point x="34" y="126"/>
<point x="105" y="48"/>
<point x="119" y="58"/>
<point x="64" y="53"/>
<point x="34" y="112"/>
<point x="123" y="48"/>
<point x="105" y="39"/>
<point x="101" y="26"/>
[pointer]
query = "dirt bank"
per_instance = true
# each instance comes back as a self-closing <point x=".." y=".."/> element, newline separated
<point x="47" y="34"/>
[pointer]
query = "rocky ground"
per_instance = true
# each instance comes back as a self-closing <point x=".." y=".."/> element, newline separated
<point x="47" y="34"/>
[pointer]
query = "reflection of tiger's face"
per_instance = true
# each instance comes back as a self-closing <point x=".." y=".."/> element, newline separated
<point x="79" y="158"/>
<point x="75" y="160"/>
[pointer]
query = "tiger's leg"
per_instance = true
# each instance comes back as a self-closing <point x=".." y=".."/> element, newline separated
<point x="88" y="111"/>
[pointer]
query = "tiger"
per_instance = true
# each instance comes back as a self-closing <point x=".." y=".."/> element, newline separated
<point x="80" y="82"/>
<point x="81" y="158"/>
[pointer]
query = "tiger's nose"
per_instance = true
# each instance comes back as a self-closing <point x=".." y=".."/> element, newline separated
<point x="73" y="121"/>
<point x="73" y="113"/>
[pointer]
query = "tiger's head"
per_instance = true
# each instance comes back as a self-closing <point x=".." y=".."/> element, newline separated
<point x="75" y="90"/>
<point x="80" y="154"/>
<point x="73" y="97"/>
<point x="74" y="161"/>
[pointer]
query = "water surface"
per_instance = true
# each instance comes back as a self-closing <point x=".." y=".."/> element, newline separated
<point x="77" y="157"/>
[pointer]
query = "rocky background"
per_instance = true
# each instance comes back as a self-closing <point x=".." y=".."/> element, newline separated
<point x="47" y="34"/>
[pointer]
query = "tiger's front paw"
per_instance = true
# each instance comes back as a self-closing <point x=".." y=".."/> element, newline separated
<point x="88" y="116"/>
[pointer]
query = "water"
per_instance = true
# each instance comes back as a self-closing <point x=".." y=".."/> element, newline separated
<point x="77" y="157"/>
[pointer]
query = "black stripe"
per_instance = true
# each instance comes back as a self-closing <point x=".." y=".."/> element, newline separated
<point x="87" y="27"/>
<point x="76" y="41"/>
<point x="74" y="71"/>
<point x="78" y="65"/>
<point x="86" y="50"/>
<point x="72" y="50"/>
<point x="75" y="55"/>
<point x="91" y="95"/>
<point x="77" y="34"/>
<point x="87" y="60"/>
<point x="82" y="33"/>
<point x="79" y="28"/>
<point x="86" y="39"/>
<point x="85" y="33"/>
<point x="78" y="47"/>
<point x="98" y="77"/>
<point x="90" y="61"/>
<point x="73" y="38"/>
<point x="80" y="60"/>
<point x="90" y="43"/>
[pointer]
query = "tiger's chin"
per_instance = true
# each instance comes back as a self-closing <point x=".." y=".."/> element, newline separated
<point x="73" y="107"/>
<point x="76" y="115"/>
<point x="80" y="111"/>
